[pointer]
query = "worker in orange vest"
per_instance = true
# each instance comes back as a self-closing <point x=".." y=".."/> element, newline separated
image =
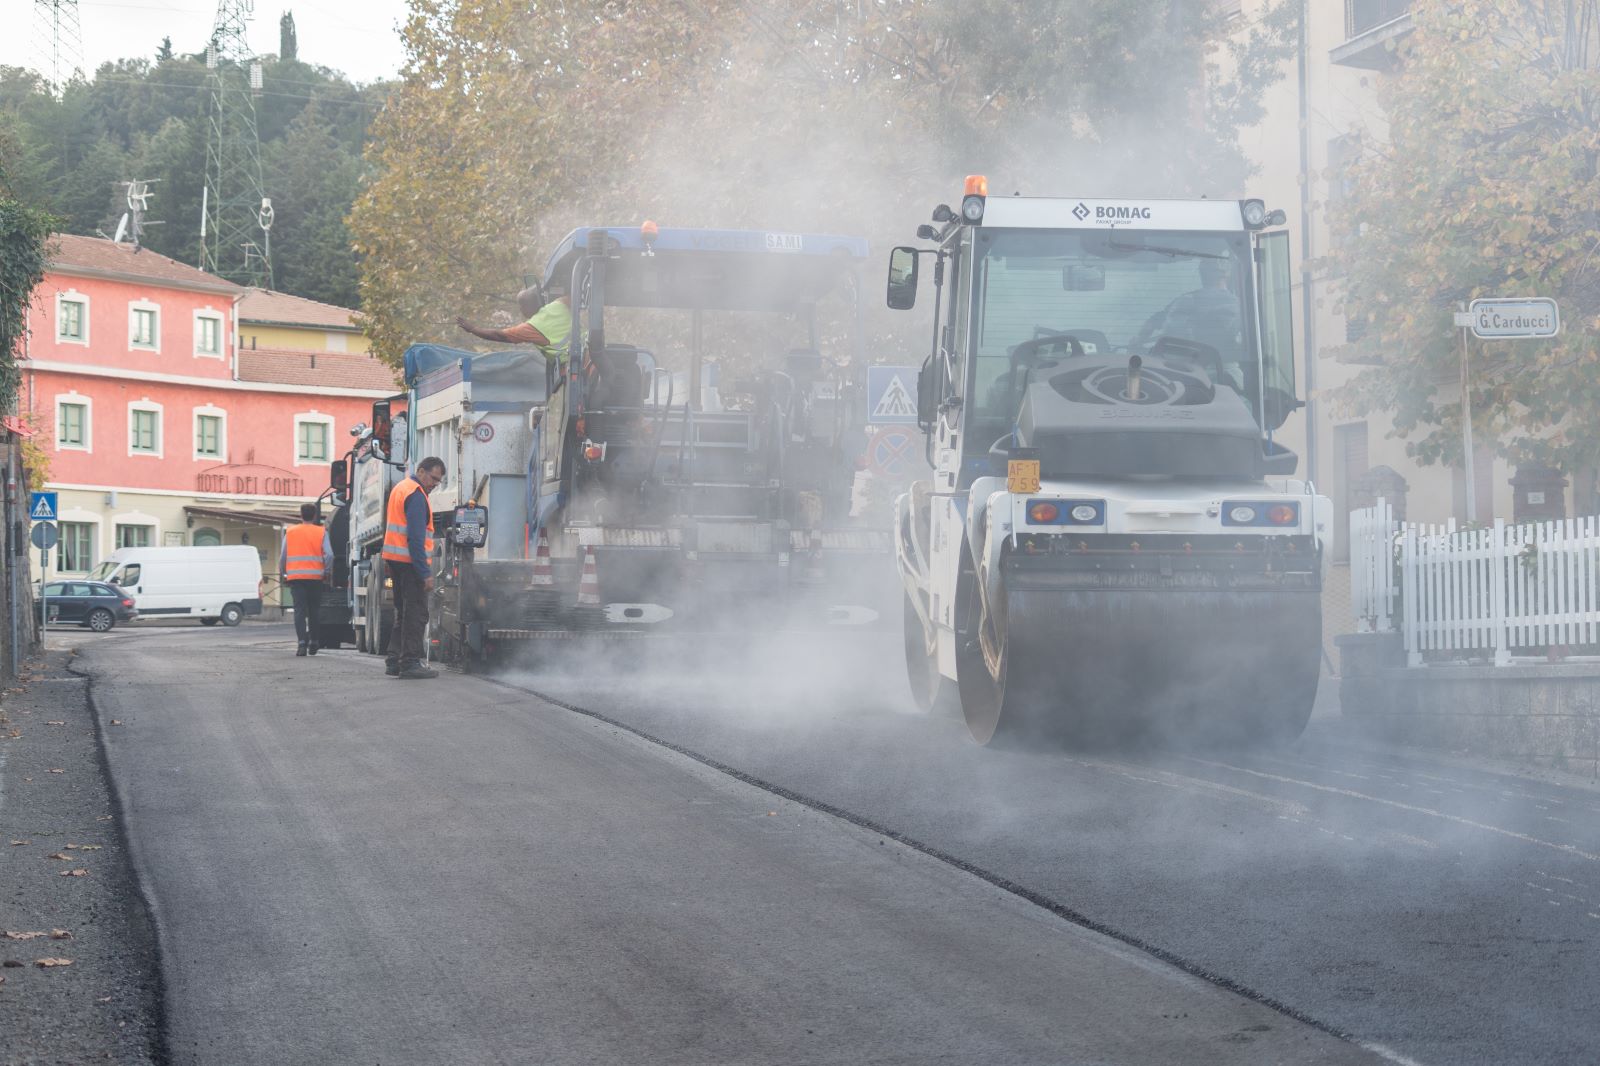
<point x="407" y="559"/>
<point x="305" y="562"/>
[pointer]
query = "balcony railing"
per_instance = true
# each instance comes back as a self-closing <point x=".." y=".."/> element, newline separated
<point x="1363" y="15"/>
<point x="1372" y="28"/>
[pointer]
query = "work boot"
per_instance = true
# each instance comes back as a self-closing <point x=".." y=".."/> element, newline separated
<point x="418" y="672"/>
<point x="392" y="669"/>
<point x="301" y="650"/>
<point x="311" y="649"/>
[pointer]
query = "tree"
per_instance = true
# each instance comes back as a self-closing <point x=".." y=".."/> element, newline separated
<point x="164" y="53"/>
<point x="24" y="232"/>
<point x="288" y="43"/>
<point x="1487" y="184"/>
<point x="514" y="123"/>
<point x="315" y="180"/>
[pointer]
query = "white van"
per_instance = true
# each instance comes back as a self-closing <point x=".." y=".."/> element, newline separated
<point x="219" y="582"/>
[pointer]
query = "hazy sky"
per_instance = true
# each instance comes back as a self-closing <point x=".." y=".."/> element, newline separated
<point x="359" y="37"/>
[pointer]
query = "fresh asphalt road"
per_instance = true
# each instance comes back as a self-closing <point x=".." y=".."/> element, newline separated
<point x="1446" y="911"/>
<point x="344" y="868"/>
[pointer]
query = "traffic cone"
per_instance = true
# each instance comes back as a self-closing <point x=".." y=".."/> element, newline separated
<point x="544" y="575"/>
<point x="589" y="583"/>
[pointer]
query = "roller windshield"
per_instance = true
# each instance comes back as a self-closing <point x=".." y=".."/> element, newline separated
<point x="1060" y="294"/>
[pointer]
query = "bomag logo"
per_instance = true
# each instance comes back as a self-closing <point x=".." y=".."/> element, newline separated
<point x="1080" y="212"/>
<point x="1120" y="213"/>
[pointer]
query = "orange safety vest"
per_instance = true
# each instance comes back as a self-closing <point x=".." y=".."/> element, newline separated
<point x="303" y="552"/>
<point x="396" y="548"/>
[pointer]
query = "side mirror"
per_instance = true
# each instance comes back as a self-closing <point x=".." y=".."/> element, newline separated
<point x="339" y="477"/>
<point x="903" y="278"/>
<point x="1278" y="406"/>
<point x="1083" y="278"/>
<point x="927" y="394"/>
<point x="382" y="425"/>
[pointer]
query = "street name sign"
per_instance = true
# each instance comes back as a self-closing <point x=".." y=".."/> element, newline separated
<point x="1513" y="318"/>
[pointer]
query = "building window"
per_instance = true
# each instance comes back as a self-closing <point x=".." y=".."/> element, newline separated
<point x="144" y="328"/>
<point x="134" y="536"/>
<point x="208" y="436"/>
<point x="312" y="440"/>
<point x="77" y="547"/>
<point x="72" y="320"/>
<point x="144" y="431"/>
<point x="208" y="335"/>
<point x="207" y="538"/>
<point x="72" y="425"/>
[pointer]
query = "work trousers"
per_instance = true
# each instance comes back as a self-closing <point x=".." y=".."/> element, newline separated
<point x="307" y="596"/>
<point x="405" y="645"/>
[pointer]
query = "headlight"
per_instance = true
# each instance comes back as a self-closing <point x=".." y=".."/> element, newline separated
<point x="1255" y="213"/>
<point x="1085" y="512"/>
<point x="1260" y="513"/>
<point x="1242" y="515"/>
<point x="972" y="209"/>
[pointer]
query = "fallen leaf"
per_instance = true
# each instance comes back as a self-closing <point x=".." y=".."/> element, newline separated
<point x="58" y="855"/>
<point x="24" y="936"/>
<point x="73" y="873"/>
<point x="2" y="978"/>
<point x="58" y="771"/>
<point x="60" y="934"/>
<point x="70" y="847"/>
<point x="105" y="818"/>
<point x="14" y="734"/>
<point x="55" y="723"/>
<point x="45" y="964"/>
<point x="20" y="843"/>
<point x="116" y="721"/>
<point x="87" y="847"/>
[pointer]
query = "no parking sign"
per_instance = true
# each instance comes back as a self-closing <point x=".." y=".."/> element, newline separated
<point x="892" y="452"/>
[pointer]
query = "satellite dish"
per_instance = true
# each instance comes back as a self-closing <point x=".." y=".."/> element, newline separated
<point x="122" y="230"/>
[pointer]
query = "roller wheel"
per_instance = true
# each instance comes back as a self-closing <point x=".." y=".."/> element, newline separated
<point x="931" y="691"/>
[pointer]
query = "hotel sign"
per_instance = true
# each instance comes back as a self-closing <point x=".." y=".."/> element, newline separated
<point x="249" y="479"/>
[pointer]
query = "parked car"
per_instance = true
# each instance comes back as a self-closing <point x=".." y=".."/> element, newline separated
<point x="87" y="603"/>
<point x="211" y="584"/>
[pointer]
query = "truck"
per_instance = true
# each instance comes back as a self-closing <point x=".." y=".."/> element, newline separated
<point x="1112" y="543"/>
<point x="700" y="475"/>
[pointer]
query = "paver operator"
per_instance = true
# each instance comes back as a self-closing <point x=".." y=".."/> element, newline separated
<point x="305" y="561"/>
<point x="407" y="555"/>
<point x="548" y="322"/>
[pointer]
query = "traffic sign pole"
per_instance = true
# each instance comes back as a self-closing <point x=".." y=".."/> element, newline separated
<point x="44" y="594"/>
<point x="1466" y="434"/>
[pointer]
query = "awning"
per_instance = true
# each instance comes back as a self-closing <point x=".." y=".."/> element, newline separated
<point x="276" y="519"/>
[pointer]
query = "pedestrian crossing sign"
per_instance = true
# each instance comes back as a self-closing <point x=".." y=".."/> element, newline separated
<point x="892" y="395"/>
<point x="42" y="507"/>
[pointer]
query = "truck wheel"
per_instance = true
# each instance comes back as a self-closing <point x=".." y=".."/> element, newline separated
<point x="330" y="637"/>
<point x="232" y="614"/>
<point x="208" y="621"/>
<point x="101" y="620"/>
<point x="931" y="691"/>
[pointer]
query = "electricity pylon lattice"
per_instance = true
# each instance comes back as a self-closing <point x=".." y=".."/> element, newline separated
<point x="236" y="227"/>
<point x="60" y="40"/>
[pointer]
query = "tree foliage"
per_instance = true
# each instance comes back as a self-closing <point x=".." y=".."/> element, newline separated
<point x="138" y="119"/>
<point x="517" y="121"/>
<point x="24" y="232"/>
<point x="1486" y="183"/>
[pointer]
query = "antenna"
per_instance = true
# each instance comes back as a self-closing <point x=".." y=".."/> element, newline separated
<point x="57" y="31"/>
<point x="234" y="227"/>
<point x="137" y="196"/>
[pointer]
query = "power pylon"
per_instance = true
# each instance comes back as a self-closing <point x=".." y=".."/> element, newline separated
<point x="236" y="223"/>
<point x="56" y="29"/>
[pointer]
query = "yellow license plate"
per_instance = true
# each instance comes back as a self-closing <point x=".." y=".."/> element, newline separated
<point x="1022" y="475"/>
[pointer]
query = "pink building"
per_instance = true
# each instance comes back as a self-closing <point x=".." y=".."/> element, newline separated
<point x="160" y="429"/>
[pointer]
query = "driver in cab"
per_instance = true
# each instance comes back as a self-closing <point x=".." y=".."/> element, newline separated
<point x="1208" y="315"/>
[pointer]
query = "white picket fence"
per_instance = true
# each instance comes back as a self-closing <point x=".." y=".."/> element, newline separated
<point x="1476" y="592"/>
